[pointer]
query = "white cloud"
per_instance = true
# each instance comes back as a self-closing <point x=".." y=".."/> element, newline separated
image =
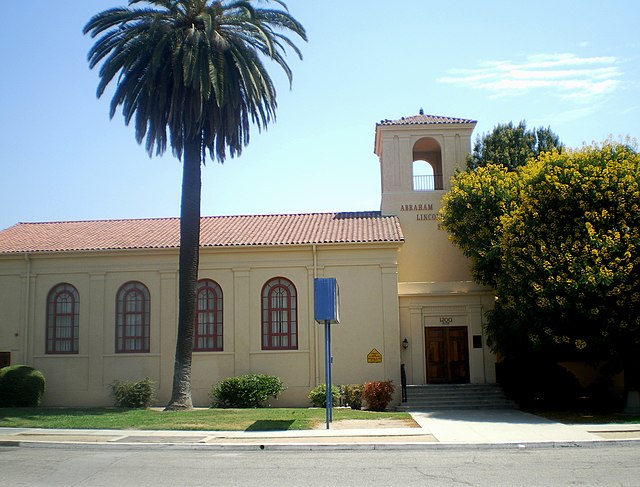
<point x="564" y="75"/>
<point x="566" y="116"/>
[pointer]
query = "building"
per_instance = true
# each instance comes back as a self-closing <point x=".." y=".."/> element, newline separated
<point x="91" y="302"/>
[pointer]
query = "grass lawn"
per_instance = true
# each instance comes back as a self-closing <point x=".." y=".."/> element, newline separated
<point x="263" y="419"/>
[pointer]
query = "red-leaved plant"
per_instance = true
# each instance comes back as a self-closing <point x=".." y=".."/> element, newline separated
<point x="378" y="394"/>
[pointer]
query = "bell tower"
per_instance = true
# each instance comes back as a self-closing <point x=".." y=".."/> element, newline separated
<point x="441" y="308"/>
<point x="418" y="156"/>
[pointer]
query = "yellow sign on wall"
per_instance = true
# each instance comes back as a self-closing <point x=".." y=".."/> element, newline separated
<point x="374" y="357"/>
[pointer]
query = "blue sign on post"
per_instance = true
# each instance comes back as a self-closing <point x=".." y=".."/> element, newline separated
<point x="326" y="308"/>
<point x="326" y="300"/>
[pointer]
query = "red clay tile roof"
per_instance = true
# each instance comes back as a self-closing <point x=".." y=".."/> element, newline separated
<point x="419" y="119"/>
<point x="422" y="119"/>
<point x="220" y="231"/>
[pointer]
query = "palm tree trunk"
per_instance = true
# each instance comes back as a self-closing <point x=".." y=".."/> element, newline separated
<point x="188" y="274"/>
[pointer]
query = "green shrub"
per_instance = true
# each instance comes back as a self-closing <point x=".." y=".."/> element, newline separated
<point x="318" y="396"/>
<point x="246" y="391"/>
<point x="129" y="394"/>
<point x="378" y="394"/>
<point x="352" y="395"/>
<point x="21" y="386"/>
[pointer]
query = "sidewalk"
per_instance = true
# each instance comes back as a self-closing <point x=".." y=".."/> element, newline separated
<point x="442" y="429"/>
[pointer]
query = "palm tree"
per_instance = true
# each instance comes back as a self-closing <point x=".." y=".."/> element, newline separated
<point x="194" y="67"/>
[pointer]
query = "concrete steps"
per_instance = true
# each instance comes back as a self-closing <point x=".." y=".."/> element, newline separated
<point x="435" y="397"/>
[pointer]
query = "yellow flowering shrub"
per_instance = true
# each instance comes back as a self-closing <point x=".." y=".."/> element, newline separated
<point x="559" y="240"/>
<point x="471" y="214"/>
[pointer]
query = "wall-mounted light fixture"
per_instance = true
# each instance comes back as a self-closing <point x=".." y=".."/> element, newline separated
<point x="405" y="343"/>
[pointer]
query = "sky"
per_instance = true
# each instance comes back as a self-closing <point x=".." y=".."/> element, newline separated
<point x="573" y="66"/>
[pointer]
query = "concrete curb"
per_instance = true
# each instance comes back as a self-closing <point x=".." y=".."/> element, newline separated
<point x="321" y="446"/>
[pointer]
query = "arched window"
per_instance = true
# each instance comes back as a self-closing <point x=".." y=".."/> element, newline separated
<point x="132" y="318"/>
<point x="63" y="303"/>
<point x="279" y="315"/>
<point x="207" y="330"/>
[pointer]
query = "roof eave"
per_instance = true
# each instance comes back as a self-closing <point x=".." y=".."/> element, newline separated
<point x="377" y="149"/>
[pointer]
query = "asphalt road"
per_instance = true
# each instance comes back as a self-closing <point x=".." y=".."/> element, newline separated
<point x="593" y="466"/>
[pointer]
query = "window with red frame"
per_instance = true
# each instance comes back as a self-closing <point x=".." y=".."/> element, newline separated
<point x="207" y="332"/>
<point x="63" y="305"/>
<point x="279" y="315"/>
<point x="132" y="318"/>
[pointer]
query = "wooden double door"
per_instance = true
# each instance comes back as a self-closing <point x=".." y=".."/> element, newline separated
<point x="447" y="354"/>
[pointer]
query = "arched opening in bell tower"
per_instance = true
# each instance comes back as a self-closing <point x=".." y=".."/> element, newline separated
<point x="427" y="165"/>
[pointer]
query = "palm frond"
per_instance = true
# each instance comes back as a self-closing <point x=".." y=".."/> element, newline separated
<point x="193" y="68"/>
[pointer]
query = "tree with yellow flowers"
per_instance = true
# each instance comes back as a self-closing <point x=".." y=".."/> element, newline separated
<point x="472" y="214"/>
<point x="559" y="241"/>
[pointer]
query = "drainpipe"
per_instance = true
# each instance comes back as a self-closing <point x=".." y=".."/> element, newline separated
<point x="314" y="249"/>
<point x="315" y="260"/>
<point x="25" y="338"/>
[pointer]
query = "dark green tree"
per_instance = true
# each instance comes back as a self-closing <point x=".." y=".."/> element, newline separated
<point x="193" y="68"/>
<point x="512" y="146"/>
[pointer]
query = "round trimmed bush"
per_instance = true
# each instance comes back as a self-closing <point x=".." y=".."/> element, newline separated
<point x="245" y="391"/>
<point x="318" y="396"/>
<point x="21" y="386"/>
<point x="128" y="394"/>
<point x="353" y="395"/>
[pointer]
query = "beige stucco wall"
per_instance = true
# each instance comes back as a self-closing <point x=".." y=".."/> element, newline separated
<point x="366" y="274"/>
<point x="11" y="313"/>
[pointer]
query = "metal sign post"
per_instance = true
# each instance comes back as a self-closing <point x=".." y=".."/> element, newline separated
<point x="326" y="310"/>
<point x="327" y="372"/>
